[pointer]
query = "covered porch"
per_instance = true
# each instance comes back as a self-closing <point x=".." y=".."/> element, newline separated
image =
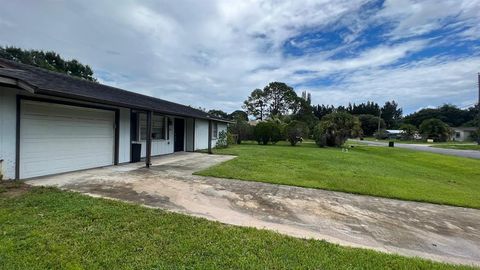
<point x="160" y="134"/>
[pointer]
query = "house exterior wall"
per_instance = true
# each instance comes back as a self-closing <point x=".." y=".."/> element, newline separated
<point x="201" y="133"/>
<point x="8" y="122"/>
<point x="221" y="127"/>
<point x="195" y="131"/>
<point x="8" y="114"/>
<point x="160" y="147"/>
<point x="124" y="136"/>
<point x="461" y="135"/>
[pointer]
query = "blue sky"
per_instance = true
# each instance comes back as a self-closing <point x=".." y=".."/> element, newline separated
<point x="213" y="53"/>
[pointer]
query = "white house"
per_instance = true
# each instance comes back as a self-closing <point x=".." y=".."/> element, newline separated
<point x="53" y="123"/>
<point x="394" y="133"/>
<point x="463" y="133"/>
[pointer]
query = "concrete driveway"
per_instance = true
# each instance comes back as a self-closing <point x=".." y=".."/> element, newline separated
<point x="444" y="233"/>
<point x="427" y="148"/>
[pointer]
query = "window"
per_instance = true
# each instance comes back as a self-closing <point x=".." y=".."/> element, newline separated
<point x="158" y="126"/>
<point x="214" y="130"/>
<point x="142" y="125"/>
<point x="457" y="134"/>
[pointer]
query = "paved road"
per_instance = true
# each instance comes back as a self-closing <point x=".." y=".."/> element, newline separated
<point x="438" y="232"/>
<point x="426" y="148"/>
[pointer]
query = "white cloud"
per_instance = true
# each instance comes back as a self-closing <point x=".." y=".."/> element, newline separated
<point x="430" y="82"/>
<point x="212" y="53"/>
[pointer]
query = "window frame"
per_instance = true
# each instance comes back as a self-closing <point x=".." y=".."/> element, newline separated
<point x="156" y="118"/>
<point x="160" y="127"/>
<point x="215" y="130"/>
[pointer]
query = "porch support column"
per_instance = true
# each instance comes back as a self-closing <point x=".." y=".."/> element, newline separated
<point x="149" y="140"/>
<point x="209" y="136"/>
<point x="193" y="135"/>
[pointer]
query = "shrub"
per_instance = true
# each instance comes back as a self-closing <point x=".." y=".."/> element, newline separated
<point x="475" y="136"/>
<point x="262" y="132"/>
<point x="381" y="135"/>
<point x="231" y="139"/>
<point x="336" y="128"/>
<point x="242" y="129"/>
<point x="270" y="131"/>
<point x="276" y="131"/>
<point x="222" y="140"/>
<point x="295" y="131"/>
<point x="435" y="129"/>
<point x="409" y="131"/>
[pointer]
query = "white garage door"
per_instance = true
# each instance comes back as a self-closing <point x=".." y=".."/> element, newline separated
<point x="58" y="138"/>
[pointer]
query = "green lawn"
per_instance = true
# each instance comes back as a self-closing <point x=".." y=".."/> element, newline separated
<point x="379" y="171"/>
<point x="45" y="228"/>
<point x="459" y="146"/>
<point x="414" y="141"/>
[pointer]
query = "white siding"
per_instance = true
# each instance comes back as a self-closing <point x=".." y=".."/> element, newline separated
<point x="160" y="147"/>
<point x="124" y="136"/>
<point x="189" y="129"/>
<point x="8" y="113"/>
<point x="201" y="133"/>
<point x="221" y="127"/>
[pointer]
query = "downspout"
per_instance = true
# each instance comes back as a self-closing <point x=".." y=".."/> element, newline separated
<point x="194" y="130"/>
<point x="209" y="136"/>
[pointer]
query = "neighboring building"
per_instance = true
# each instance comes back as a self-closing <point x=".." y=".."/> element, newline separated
<point x="53" y="123"/>
<point x="463" y="133"/>
<point x="394" y="133"/>
<point x="254" y="122"/>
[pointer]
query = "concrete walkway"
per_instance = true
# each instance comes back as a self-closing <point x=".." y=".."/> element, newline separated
<point x="443" y="233"/>
<point x="427" y="148"/>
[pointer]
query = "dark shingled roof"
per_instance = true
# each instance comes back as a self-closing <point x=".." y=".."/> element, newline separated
<point x="62" y="85"/>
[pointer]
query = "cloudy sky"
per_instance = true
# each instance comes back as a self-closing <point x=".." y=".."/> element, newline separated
<point x="213" y="53"/>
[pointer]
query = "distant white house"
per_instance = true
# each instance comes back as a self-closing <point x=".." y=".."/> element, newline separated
<point x="463" y="133"/>
<point x="394" y="133"/>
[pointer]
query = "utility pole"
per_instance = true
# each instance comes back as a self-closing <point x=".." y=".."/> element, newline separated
<point x="478" y="111"/>
<point x="379" y="120"/>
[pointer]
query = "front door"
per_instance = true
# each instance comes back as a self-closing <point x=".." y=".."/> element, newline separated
<point x="178" y="137"/>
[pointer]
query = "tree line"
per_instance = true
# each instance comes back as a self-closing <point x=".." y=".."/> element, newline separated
<point x="48" y="60"/>
<point x="282" y="114"/>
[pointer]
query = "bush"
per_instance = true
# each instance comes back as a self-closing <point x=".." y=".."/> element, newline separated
<point x="222" y="140"/>
<point x="295" y="131"/>
<point x="276" y="131"/>
<point x="336" y="128"/>
<point x="242" y="129"/>
<point x="435" y="129"/>
<point x="381" y="135"/>
<point x="261" y="132"/>
<point x="270" y="131"/>
<point x="475" y="136"/>
<point x="409" y="131"/>
<point x="231" y="139"/>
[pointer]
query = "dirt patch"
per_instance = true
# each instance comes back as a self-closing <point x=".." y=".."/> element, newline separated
<point x="13" y="189"/>
<point x="123" y="192"/>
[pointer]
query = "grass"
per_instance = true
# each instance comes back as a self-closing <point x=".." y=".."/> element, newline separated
<point x="470" y="146"/>
<point x="45" y="228"/>
<point x="415" y="141"/>
<point x="378" y="171"/>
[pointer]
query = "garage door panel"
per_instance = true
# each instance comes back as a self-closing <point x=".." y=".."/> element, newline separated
<point x="59" y="138"/>
<point x="42" y="127"/>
